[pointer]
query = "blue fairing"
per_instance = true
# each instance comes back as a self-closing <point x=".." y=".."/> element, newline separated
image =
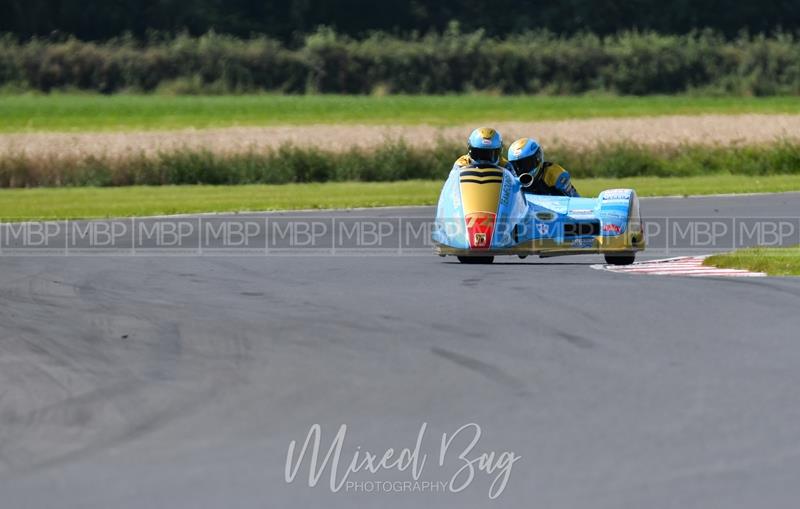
<point x="522" y="218"/>
<point x="448" y="229"/>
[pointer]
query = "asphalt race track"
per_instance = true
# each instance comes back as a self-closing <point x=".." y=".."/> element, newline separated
<point x="179" y="381"/>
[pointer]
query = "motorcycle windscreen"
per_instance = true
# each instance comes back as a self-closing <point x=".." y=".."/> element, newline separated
<point x="480" y="196"/>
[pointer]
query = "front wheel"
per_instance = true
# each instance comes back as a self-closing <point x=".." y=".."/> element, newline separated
<point x="620" y="259"/>
<point x="476" y="259"/>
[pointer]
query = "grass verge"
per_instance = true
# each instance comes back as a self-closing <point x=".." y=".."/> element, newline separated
<point x="90" y="112"/>
<point x="101" y="202"/>
<point x="775" y="261"/>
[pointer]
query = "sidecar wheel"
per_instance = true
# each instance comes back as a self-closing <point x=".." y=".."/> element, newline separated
<point x="476" y="259"/>
<point x="620" y="259"/>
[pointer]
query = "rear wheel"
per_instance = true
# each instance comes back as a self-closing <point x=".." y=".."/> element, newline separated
<point x="620" y="259"/>
<point x="476" y="259"/>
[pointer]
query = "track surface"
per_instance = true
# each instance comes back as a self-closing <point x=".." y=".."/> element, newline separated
<point x="132" y="382"/>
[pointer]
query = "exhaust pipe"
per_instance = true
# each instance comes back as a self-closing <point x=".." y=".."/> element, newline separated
<point x="526" y="179"/>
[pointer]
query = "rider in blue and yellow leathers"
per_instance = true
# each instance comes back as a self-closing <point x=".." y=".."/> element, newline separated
<point x="484" y="146"/>
<point x="526" y="156"/>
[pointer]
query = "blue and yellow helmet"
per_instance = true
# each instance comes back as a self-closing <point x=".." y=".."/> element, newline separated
<point x="526" y="156"/>
<point x="484" y="145"/>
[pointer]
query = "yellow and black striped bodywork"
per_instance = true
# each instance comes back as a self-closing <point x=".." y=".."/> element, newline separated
<point x="480" y="189"/>
<point x="480" y="197"/>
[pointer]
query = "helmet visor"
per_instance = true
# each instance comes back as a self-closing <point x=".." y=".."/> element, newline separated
<point x="491" y="155"/>
<point x="528" y="164"/>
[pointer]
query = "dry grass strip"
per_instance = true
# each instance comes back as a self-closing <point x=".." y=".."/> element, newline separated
<point x="661" y="131"/>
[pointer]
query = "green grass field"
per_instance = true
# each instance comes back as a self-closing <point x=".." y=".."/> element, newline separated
<point x="775" y="261"/>
<point x="100" y="202"/>
<point x="78" y="112"/>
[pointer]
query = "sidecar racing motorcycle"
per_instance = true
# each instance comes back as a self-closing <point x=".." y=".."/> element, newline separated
<point x="484" y="212"/>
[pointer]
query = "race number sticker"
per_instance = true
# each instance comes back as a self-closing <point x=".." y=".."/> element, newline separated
<point x="616" y="194"/>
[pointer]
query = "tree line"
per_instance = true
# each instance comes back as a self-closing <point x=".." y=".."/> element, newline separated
<point x="289" y="20"/>
<point x="635" y="63"/>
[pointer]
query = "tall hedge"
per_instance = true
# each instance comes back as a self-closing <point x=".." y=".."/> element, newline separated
<point x="451" y="62"/>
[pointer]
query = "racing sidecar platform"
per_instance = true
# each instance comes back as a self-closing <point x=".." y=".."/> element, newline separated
<point x="483" y="212"/>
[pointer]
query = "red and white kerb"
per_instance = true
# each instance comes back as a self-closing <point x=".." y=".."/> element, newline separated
<point x="682" y="266"/>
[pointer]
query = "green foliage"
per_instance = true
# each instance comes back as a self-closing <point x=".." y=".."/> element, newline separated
<point x="285" y="19"/>
<point x="631" y="63"/>
<point x="392" y="162"/>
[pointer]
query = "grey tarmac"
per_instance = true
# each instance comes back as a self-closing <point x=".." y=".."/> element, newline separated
<point x="180" y="381"/>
